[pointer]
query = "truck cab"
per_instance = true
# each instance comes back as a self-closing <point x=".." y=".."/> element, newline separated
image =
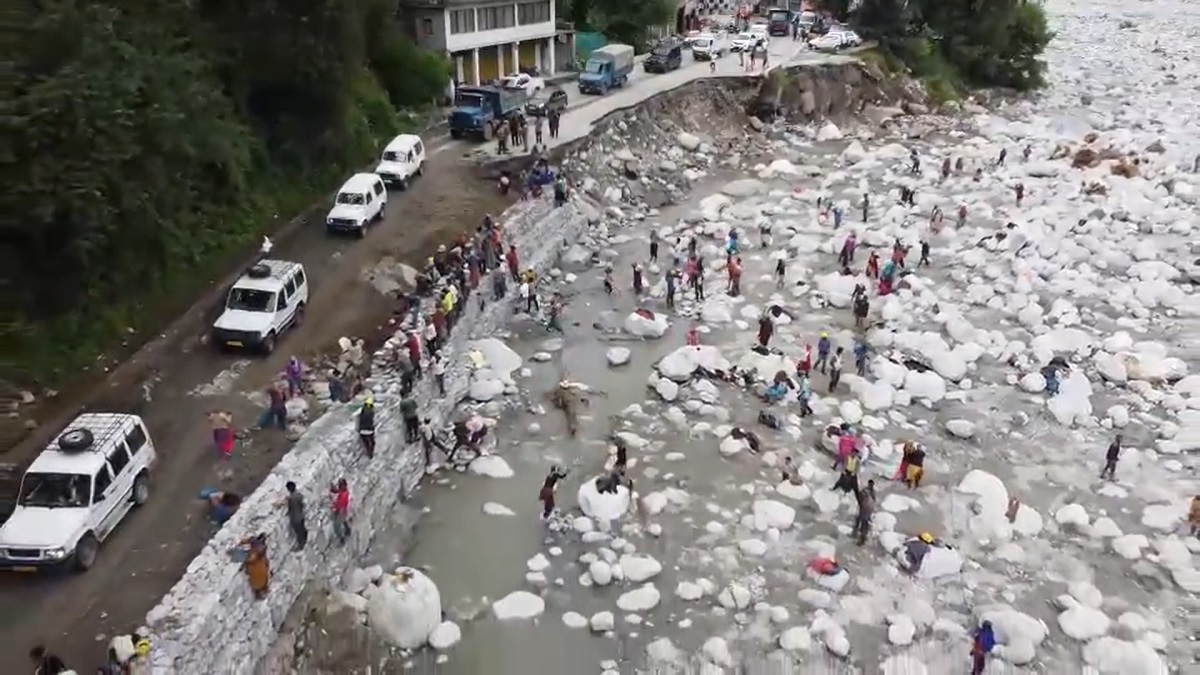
<point x="606" y="67"/>
<point x="476" y="109"/>
<point x="779" y="22"/>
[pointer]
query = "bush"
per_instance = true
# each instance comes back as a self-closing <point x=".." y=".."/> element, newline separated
<point x="151" y="142"/>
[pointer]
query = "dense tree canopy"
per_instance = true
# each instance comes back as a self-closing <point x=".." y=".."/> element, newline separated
<point x="627" y="21"/>
<point x="148" y="140"/>
<point x="994" y="43"/>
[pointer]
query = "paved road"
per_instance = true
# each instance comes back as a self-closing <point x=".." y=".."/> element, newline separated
<point x="185" y="379"/>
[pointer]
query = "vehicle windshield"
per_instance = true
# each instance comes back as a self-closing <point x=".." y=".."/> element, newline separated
<point x="703" y="43"/>
<point x="251" y="300"/>
<point x="780" y="15"/>
<point x="663" y="50"/>
<point x="469" y="100"/>
<point x="56" y="490"/>
<point x="594" y="67"/>
<point x="351" y="198"/>
<point x="746" y="36"/>
<point x="391" y="156"/>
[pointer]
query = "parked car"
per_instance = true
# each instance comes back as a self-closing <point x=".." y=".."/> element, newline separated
<point x="691" y="37"/>
<point x="708" y="48"/>
<point x="73" y="496"/>
<point x="545" y="101"/>
<point x="850" y="39"/>
<point x="826" y="43"/>
<point x="530" y="84"/>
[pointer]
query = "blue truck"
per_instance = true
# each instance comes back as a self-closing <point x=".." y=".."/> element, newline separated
<point x="476" y="109"/>
<point x="606" y="67"/>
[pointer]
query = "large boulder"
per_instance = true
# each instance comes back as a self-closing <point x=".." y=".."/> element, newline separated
<point x="646" y="324"/>
<point x="682" y="363"/>
<point x="603" y="506"/>
<point x="406" y="608"/>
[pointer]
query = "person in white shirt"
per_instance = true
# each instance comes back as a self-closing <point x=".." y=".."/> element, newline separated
<point x="430" y="337"/>
<point x="439" y="372"/>
<point x="835" y="369"/>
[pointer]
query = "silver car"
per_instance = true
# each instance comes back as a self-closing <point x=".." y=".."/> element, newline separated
<point x="708" y="48"/>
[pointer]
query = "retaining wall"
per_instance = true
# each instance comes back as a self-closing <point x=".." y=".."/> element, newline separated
<point x="209" y="622"/>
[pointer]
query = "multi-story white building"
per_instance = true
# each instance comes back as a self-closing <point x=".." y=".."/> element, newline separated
<point x="488" y="40"/>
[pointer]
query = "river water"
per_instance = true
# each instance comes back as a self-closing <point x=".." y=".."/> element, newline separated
<point x="706" y="533"/>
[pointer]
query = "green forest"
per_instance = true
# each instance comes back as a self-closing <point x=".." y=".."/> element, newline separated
<point x="957" y="45"/>
<point x="150" y="142"/>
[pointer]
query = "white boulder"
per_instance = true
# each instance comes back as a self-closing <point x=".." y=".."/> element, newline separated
<point x="405" y="608"/>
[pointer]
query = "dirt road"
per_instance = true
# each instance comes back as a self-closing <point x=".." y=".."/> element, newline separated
<point x="178" y="378"/>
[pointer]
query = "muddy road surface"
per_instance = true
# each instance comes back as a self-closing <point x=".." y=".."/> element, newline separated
<point x="177" y="378"/>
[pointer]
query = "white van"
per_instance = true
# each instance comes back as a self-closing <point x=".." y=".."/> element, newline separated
<point x="360" y="202"/>
<point x="77" y="491"/>
<point x="402" y="159"/>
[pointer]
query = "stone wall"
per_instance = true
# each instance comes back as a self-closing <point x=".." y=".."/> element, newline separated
<point x="209" y="622"/>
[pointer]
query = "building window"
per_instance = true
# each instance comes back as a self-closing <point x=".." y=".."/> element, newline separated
<point x="497" y="16"/>
<point x="533" y="12"/>
<point x="463" y="21"/>
<point x="426" y="27"/>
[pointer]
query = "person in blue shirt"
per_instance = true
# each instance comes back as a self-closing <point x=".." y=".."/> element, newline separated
<point x="860" y="357"/>
<point x="823" y="346"/>
<point x="983" y="644"/>
<point x="803" y="393"/>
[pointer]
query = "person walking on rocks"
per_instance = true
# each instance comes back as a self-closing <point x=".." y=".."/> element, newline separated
<point x="339" y="494"/>
<point x="221" y="422"/>
<point x="1020" y="193"/>
<point x="803" y="394"/>
<point x="276" y="413"/>
<point x="672" y="278"/>
<point x="866" y="510"/>
<point x="958" y="165"/>
<point x="413" y="344"/>
<point x="766" y="328"/>
<point x="846" y="256"/>
<point x="804" y="365"/>
<point x="553" y="312"/>
<point x="962" y="215"/>
<point x="408" y="412"/>
<point x="1111" y="458"/>
<point x="924" y="261"/>
<point x="872" y="270"/>
<point x="862" y="306"/>
<point x="823" y="348"/>
<point x="439" y="371"/>
<point x="499" y="289"/>
<point x="293" y="372"/>
<point x="510" y="258"/>
<point x="1027" y="152"/>
<point x="915" y="168"/>
<point x="366" y="426"/>
<point x="860" y="356"/>
<point x="549" y="485"/>
<point x="698" y="282"/>
<point x="836" y="210"/>
<point x="780" y="272"/>
<point x="653" y="245"/>
<point x="866" y="205"/>
<point x="1002" y="157"/>
<point x="945" y="168"/>
<point x="608" y="279"/>
<point x="528" y="297"/>
<point x="835" y="369"/>
<point x="294" y="501"/>
<point x="734" y="270"/>
<point x="637" y="279"/>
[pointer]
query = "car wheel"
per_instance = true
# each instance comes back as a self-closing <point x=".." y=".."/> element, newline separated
<point x="141" y="489"/>
<point x="268" y="343"/>
<point x="85" y="552"/>
<point x="362" y="231"/>
<point x="421" y="169"/>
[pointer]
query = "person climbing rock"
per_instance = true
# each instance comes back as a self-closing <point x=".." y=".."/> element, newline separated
<point x="339" y="504"/>
<point x="366" y="426"/>
<point x="294" y="502"/>
<point x="412" y="422"/>
<point x="982" y="644"/>
<point x="866" y="510"/>
<point x="823" y="348"/>
<point x="1111" y="458"/>
<point x="549" y="485"/>
<point x="749" y="437"/>
<point x="256" y="565"/>
<point x="766" y="328"/>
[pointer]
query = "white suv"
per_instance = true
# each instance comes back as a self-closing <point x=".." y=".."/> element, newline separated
<point x="402" y="159"/>
<point x="77" y="491"/>
<point x="267" y="300"/>
<point x="360" y="202"/>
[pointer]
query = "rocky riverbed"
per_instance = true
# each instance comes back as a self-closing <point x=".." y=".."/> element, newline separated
<point x="1095" y="268"/>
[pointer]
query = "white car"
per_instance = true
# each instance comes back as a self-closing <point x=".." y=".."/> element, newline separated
<point x="745" y="42"/>
<point x="827" y="42"/>
<point x="402" y="159"/>
<point x="707" y="48"/>
<point x="266" y="301"/>
<point x="77" y="491"/>
<point x="360" y="202"/>
<point x="849" y="38"/>
<point x="529" y="83"/>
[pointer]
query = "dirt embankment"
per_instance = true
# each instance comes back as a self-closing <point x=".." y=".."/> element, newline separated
<point x="806" y="93"/>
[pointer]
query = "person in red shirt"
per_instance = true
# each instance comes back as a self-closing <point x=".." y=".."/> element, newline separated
<point x="340" y="503"/>
<point x="734" y="268"/>
<point x="413" y="343"/>
<point x="514" y="267"/>
<point x="873" y="265"/>
<point x="804" y="365"/>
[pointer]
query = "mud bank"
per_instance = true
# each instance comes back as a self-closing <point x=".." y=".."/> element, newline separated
<point x="210" y="621"/>
<point x="831" y="91"/>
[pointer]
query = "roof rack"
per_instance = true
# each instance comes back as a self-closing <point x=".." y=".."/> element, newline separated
<point x="106" y="430"/>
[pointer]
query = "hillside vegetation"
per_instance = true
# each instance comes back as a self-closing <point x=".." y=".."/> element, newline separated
<point x="955" y="45"/>
<point x="148" y="142"/>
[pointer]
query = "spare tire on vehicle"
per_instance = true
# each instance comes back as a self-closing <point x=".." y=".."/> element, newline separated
<point x="75" y="440"/>
<point x="259" y="271"/>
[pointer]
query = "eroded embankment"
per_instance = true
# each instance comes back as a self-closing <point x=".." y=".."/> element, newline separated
<point x="210" y="622"/>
